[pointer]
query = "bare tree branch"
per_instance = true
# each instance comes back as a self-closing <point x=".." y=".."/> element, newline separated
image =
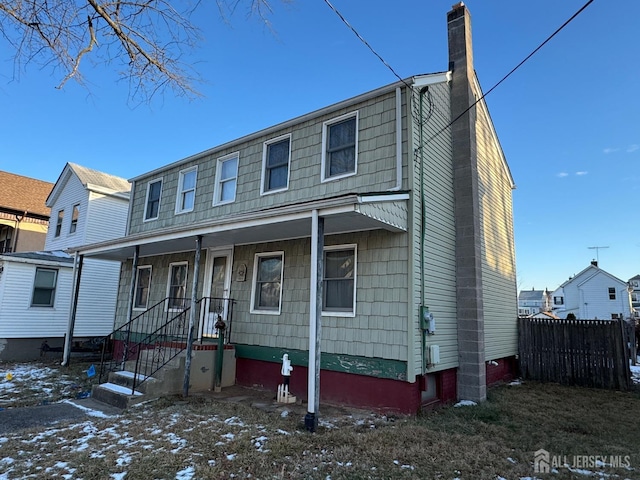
<point x="147" y="38"/>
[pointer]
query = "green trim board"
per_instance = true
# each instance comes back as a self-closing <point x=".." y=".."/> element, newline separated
<point x="372" y="367"/>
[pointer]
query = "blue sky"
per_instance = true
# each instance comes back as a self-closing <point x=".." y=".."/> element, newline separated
<point x="568" y="119"/>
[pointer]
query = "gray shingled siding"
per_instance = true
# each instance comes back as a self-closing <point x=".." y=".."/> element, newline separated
<point x="159" y="279"/>
<point x="375" y="170"/>
<point x="379" y="327"/>
<point x="439" y="241"/>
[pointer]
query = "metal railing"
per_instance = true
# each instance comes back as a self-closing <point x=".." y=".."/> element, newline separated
<point x="159" y="334"/>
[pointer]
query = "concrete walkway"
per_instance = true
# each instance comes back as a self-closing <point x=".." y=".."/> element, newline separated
<point x="23" y="418"/>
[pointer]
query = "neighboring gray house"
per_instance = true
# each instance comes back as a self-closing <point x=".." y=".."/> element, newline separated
<point x="634" y="283"/>
<point x="36" y="287"/>
<point x="366" y="216"/>
<point x="533" y="301"/>
<point x="593" y="294"/>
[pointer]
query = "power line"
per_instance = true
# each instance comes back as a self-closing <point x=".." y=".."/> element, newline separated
<point x="513" y="69"/>
<point x="361" y="38"/>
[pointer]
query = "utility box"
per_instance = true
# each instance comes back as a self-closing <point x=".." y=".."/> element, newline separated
<point x="434" y="354"/>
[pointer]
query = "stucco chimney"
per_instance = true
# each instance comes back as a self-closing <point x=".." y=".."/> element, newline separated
<point x="471" y="376"/>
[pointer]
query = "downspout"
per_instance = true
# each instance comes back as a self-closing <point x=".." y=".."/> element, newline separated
<point x="423" y="227"/>
<point x="77" y="272"/>
<point x="192" y="316"/>
<point x="19" y="219"/>
<point x="398" y="140"/>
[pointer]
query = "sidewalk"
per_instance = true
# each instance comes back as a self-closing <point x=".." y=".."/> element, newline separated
<point x="23" y="418"/>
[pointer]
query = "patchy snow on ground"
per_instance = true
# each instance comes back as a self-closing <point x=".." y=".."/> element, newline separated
<point x="466" y="403"/>
<point x="635" y="372"/>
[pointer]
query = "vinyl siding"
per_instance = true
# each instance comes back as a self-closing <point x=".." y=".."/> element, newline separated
<point x="439" y="240"/>
<point x="499" y="288"/>
<point x="72" y="194"/>
<point x="376" y="165"/>
<point x="106" y="217"/>
<point x="17" y="318"/>
<point x="97" y="298"/>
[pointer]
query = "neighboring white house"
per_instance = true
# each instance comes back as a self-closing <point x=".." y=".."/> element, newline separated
<point x="634" y="283"/>
<point x="592" y="294"/>
<point x="533" y="301"/>
<point x="36" y="287"/>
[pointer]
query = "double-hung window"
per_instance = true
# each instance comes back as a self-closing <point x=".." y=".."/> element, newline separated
<point x="186" y="190"/>
<point x="152" y="205"/>
<point x="143" y="282"/>
<point x="44" y="287"/>
<point x="177" y="286"/>
<point x="75" y="213"/>
<point x="267" y="282"/>
<point x="59" y="223"/>
<point x="339" y="282"/>
<point x="226" y="179"/>
<point x="340" y="147"/>
<point x="612" y="293"/>
<point x="275" y="164"/>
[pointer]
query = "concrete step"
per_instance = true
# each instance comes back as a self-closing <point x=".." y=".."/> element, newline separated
<point x="116" y="395"/>
<point x="126" y="379"/>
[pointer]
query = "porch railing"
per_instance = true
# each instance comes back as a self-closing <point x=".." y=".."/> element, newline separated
<point x="159" y="334"/>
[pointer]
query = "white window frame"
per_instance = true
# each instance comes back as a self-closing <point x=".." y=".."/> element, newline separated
<point x="73" y="226"/>
<point x="265" y="151"/>
<point x="53" y="290"/>
<point x="217" y="190"/>
<point x="256" y="261"/>
<point x="325" y="137"/>
<point x="146" y="199"/>
<point x="186" y="284"/>
<point x="336" y="313"/>
<point x="612" y="293"/>
<point x="135" y="295"/>
<point x="59" y="221"/>
<point x="182" y="191"/>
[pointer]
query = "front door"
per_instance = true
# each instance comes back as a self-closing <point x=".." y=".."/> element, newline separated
<point x="216" y="291"/>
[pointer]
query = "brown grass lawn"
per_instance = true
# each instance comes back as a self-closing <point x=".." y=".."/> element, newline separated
<point x="201" y="438"/>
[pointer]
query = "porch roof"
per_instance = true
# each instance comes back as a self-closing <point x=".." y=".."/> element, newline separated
<point x="348" y="213"/>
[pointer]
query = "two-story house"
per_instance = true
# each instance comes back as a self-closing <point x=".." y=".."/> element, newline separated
<point x="24" y="217"/>
<point x="36" y="287"/>
<point x="592" y="294"/>
<point x="533" y="301"/>
<point x="378" y="229"/>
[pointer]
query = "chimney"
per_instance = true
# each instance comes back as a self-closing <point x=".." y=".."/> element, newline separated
<point x="594" y="263"/>
<point x="471" y="376"/>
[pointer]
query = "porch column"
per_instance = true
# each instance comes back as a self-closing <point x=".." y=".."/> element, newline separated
<point x="77" y="271"/>
<point x="315" y="321"/>
<point x="192" y="316"/>
<point x="132" y="295"/>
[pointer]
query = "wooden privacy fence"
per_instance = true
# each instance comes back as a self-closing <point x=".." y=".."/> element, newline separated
<point x="590" y="353"/>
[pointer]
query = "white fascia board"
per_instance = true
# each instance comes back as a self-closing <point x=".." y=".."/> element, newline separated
<point x="383" y="198"/>
<point x="33" y="261"/>
<point x="107" y="191"/>
<point x="420" y="81"/>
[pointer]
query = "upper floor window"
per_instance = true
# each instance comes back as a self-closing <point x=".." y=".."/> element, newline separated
<point x="177" y="286"/>
<point x="152" y="205"/>
<point x="339" y="289"/>
<point x="612" y="293"/>
<point x="186" y="190"/>
<point x="44" y="287"/>
<point x="59" y="223"/>
<point x="226" y="179"/>
<point x="75" y="213"/>
<point x="275" y="164"/>
<point x="267" y="282"/>
<point x="635" y="283"/>
<point x="339" y="147"/>
<point x="558" y="300"/>
<point x="143" y="284"/>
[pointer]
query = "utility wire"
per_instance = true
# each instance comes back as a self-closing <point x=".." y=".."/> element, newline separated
<point x="513" y="69"/>
<point x="344" y="20"/>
